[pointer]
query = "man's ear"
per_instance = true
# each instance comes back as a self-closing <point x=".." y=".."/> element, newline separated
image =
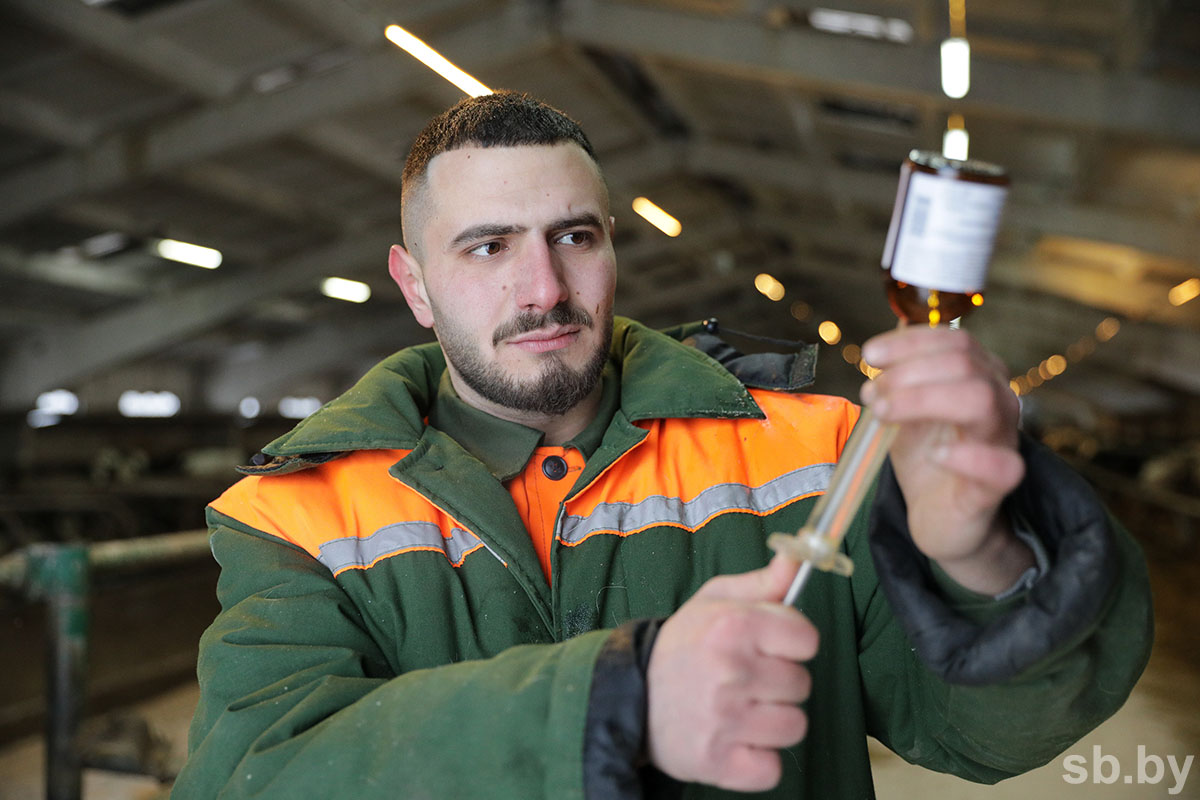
<point x="406" y="272"/>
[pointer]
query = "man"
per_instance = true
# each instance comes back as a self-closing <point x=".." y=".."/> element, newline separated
<point x="528" y="561"/>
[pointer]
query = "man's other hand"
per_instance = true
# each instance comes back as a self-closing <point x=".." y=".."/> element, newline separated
<point x="956" y="454"/>
<point x="724" y="681"/>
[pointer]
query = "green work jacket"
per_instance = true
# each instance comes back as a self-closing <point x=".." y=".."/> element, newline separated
<point x="386" y="630"/>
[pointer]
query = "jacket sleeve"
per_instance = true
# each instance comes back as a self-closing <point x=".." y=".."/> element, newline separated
<point x="297" y="700"/>
<point x="985" y="688"/>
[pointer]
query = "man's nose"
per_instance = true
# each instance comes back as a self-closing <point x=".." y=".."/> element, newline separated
<point x="540" y="285"/>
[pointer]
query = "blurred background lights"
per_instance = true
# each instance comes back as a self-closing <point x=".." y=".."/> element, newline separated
<point x="249" y="407"/>
<point x="956" y="144"/>
<point x="829" y="332"/>
<point x="298" y="407"/>
<point x="768" y="286"/>
<point x="345" y="289"/>
<point x="133" y="403"/>
<point x="61" y="402"/>
<point x="51" y="407"/>
<point x="1108" y="329"/>
<point x="187" y="253"/>
<point x="956" y="67"/>
<point x="40" y="419"/>
<point x="434" y="60"/>
<point x="850" y="23"/>
<point x="1188" y="290"/>
<point x="660" y="219"/>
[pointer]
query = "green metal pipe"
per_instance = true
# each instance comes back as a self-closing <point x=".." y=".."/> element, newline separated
<point x="58" y="574"/>
<point x="164" y="548"/>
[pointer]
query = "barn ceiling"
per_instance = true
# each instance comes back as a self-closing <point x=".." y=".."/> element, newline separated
<point x="274" y="130"/>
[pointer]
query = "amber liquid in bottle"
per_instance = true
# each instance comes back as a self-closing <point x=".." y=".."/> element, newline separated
<point x="941" y="236"/>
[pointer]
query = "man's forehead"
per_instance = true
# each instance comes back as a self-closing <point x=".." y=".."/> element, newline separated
<point x="505" y="181"/>
<point x="476" y="159"/>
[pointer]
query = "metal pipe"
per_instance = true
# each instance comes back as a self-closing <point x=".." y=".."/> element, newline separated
<point x="13" y="570"/>
<point x="148" y="550"/>
<point x="116" y="554"/>
<point x="58" y="573"/>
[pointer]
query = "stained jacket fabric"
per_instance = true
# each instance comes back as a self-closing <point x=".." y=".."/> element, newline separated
<point x="386" y="630"/>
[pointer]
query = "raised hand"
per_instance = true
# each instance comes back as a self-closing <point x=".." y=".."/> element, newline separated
<point x="956" y="454"/>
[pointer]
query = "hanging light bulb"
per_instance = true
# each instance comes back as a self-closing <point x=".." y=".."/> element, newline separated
<point x="956" y="143"/>
<point x="956" y="67"/>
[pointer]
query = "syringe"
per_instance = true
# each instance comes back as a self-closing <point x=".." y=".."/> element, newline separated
<point x="816" y="544"/>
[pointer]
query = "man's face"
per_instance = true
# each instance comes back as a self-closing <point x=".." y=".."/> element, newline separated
<point x="516" y="273"/>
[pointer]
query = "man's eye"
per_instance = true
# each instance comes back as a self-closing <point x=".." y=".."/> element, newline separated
<point x="576" y="237"/>
<point x="485" y="249"/>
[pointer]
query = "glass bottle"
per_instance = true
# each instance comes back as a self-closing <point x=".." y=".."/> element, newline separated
<point x="935" y="259"/>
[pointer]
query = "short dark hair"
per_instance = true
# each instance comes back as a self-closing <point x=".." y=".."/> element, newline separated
<point x="501" y="119"/>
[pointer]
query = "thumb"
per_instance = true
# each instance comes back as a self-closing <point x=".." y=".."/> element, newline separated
<point x="778" y="576"/>
<point x="769" y="583"/>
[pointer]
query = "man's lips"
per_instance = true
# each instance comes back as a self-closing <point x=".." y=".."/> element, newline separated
<point x="542" y="341"/>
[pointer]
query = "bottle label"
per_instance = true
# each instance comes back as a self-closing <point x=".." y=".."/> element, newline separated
<point x="947" y="229"/>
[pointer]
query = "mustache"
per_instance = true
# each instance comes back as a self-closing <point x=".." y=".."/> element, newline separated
<point x="561" y="314"/>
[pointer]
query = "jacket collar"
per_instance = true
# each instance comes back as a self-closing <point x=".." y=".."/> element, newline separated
<point x="388" y="407"/>
<point x="505" y="447"/>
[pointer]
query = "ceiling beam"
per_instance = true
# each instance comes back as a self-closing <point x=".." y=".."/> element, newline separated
<point x="327" y="347"/>
<point x="69" y="354"/>
<point x="39" y="120"/>
<point x="1120" y="103"/>
<point x="1134" y="297"/>
<point x="116" y="275"/>
<point x="109" y="34"/>
<point x="1152" y="234"/>
<point x="360" y="24"/>
<point x="247" y="118"/>
<point x="206" y="132"/>
<point x="1026" y="326"/>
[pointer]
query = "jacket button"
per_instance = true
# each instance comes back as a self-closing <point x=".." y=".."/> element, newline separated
<point x="554" y="468"/>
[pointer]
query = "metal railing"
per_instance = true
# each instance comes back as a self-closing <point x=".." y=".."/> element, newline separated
<point x="59" y="575"/>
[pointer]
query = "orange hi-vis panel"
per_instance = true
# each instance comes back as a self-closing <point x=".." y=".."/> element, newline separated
<point x="688" y="471"/>
<point x="350" y="513"/>
<point x="538" y="498"/>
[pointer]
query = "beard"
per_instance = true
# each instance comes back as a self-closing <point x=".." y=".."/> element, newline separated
<point x="555" y="390"/>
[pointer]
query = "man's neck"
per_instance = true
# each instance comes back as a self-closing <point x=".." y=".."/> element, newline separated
<point x="556" y="428"/>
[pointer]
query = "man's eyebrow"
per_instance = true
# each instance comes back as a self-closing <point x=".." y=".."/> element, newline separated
<point x="484" y="231"/>
<point x="586" y="218"/>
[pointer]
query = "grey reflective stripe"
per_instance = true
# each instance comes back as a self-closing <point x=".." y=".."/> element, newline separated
<point x="719" y="499"/>
<point x="352" y="551"/>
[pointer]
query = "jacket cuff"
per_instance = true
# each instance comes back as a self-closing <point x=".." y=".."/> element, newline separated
<point x="1063" y="604"/>
<point x="615" y="735"/>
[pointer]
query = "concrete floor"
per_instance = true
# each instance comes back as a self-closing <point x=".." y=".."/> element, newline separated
<point x="1162" y="716"/>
